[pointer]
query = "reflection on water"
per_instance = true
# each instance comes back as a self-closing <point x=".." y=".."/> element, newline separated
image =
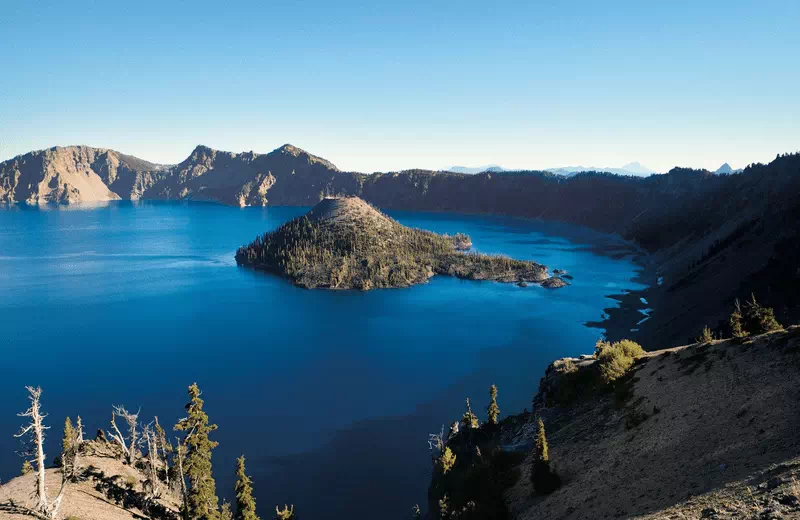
<point x="335" y="391"/>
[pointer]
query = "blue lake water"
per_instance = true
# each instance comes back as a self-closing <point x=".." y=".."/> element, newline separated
<point x="329" y="394"/>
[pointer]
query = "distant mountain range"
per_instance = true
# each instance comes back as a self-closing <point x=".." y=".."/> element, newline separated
<point x="477" y="169"/>
<point x="634" y="168"/>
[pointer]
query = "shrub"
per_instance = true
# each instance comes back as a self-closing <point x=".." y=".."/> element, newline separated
<point x="615" y="359"/>
<point x="131" y="481"/>
<point x="447" y="460"/>
<point x="469" y="419"/>
<point x="27" y="467"/>
<point x="706" y="336"/>
<point x="759" y="319"/>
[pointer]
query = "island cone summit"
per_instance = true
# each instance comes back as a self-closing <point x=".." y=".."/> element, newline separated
<point x="344" y="243"/>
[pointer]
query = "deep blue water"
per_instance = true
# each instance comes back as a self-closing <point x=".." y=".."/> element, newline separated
<point x="329" y="394"/>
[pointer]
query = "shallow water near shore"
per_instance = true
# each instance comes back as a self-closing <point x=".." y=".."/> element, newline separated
<point x="329" y="394"/>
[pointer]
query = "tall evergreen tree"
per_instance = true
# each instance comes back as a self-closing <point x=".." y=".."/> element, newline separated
<point x="543" y="478"/>
<point x="493" y="411"/>
<point x="202" y="500"/>
<point x="541" y="443"/>
<point x="68" y="448"/>
<point x="245" y="503"/>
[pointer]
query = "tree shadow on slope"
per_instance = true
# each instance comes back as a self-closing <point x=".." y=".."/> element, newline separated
<point x="122" y="494"/>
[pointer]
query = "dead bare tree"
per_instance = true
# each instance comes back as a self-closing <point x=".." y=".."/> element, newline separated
<point x="44" y="508"/>
<point x="166" y="448"/>
<point x="180" y="451"/>
<point x="152" y="460"/>
<point x="129" y="448"/>
<point x="79" y="430"/>
<point x="436" y="442"/>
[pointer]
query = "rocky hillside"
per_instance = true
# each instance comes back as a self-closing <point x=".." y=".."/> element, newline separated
<point x="104" y="488"/>
<point x="344" y="243"/>
<point x="84" y="174"/>
<point x="706" y="430"/>
<point x="74" y="174"/>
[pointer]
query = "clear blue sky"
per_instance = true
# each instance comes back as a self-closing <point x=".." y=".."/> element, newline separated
<point x="390" y="85"/>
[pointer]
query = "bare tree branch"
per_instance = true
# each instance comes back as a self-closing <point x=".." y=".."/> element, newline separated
<point x="44" y="508"/>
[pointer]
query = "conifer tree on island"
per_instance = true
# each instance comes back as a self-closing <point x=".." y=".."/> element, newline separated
<point x="245" y="503"/>
<point x="493" y="411"/>
<point x="202" y="500"/>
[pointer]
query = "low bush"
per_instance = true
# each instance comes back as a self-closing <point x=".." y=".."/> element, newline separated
<point x="615" y="359"/>
<point x="752" y="318"/>
<point x="706" y="336"/>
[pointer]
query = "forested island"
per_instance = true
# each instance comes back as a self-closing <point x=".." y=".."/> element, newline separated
<point x="344" y="243"/>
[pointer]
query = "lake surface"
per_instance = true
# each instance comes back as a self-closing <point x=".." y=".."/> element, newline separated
<point x="329" y="394"/>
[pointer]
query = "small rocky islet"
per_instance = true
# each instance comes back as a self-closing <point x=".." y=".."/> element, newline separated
<point x="345" y="243"/>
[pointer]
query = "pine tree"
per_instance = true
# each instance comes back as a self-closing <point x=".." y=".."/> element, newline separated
<point x="27" y="467"/>
<point x="493" y="411"/>
<point x="759" y="319"/>
<point x="68" y="441"/>
<point x="225" y="512"/>
<point x="541" y="443"/>
<point x="706" y="336"/>
<point x="543" y="478"/>
<point x="469" y="420"/>
<point x="202" y="499"/>
<point x="245" y="503"/>
<point x="737" y="329"/>
<point x="447" y="460"/>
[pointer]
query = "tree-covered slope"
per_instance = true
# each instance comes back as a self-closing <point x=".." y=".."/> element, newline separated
<point x="345" y="243"/>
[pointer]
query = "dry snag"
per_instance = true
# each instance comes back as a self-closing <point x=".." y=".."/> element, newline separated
<point x="44" y="508"/>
